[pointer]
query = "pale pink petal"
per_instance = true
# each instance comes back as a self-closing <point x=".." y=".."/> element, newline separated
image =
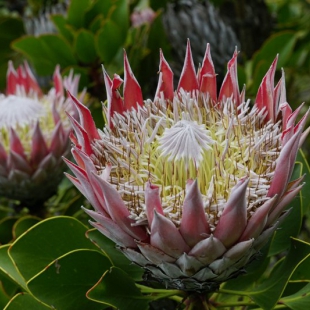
<point x="284" y="166"/>
<point x="58" y="82"/>
<point x="118" y="211"/>
<point x="166" y="237"/>
<point x="3" y="155"/>
<point x="165" y="83"/>
<point x="86" y="119"/>
<point x="194" y="226"/>
<point x="285" y="200"/>
<point x="230" y="86"/>
<point x="207" y="76"/>
<point x="17" y="162"/>
<point x="286" y="112"/>
<point x="115" y="233"/>
<point x="208" y="249"/>
<point x="11" y="79"/>
<point x="30" y="83"/>
<point x="153" y="254"/>
<point x="188" y="80"/>
<point x="258" y="220"/>
<point x="234" y="218"/>
<point x="82" y="136"/>
<point x="132" y="90"/>
<point x="152" y="201"/>
<point x="114" y="100"/>
<point x="16" y="144"/>
<point x="88" y="190"/>
<point x="39" y="148"/>
<point x="239" y="250"/>
<point x="265" y="94"/>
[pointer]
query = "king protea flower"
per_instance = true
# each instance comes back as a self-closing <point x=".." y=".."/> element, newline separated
<point x="189" y="185"/>
<point x="34" y="135"/>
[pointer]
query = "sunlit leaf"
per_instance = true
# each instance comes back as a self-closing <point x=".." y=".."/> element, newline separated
<point x="45" y="242"/>
<point x="23" y="224"/>
<point x="7" y="267"/>
<point x="23" y="301"/>
<point x="268" y="293"/>
<point x="299" y="300"/>
<point x="64" y="282"/>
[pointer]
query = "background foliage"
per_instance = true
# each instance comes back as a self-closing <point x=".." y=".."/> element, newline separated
<point x="59" y="262"/>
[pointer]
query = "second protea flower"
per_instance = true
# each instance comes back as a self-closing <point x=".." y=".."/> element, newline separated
<point x="189" y="185"/>
<point x="34" y="134"/>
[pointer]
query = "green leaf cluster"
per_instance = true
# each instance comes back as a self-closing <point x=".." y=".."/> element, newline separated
<point x="90" y="33"/>
<point x="52" y="265"/>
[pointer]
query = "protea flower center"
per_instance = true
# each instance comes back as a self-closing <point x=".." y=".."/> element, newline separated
<point x="22" y="114"/>
<point x="192" y="184"/>
<point x="19" y="111"/>
<point x="170" y="144"/>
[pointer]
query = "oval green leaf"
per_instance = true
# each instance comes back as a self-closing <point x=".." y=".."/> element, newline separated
<point x="23" y="301"/>
<point x="63" y="284"/>
<point x="23" y="224"/>
<point x="84" y="46"/>
<point x="45" y="242"/>
<point x="117" y="289"/>
<point x="109" y="40"/>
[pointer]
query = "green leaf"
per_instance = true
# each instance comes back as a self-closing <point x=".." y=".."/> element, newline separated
<point x="292" y="223"/>
<point x="23" y="301"/>
<point x="115" y="10"/>
<point x="290" y="227"/>
<point x="268" y="293"/>
<point x="117" y="289"/>
<point x="10" y="28"/>
<point x="23" y="224"/>
<point x="64" y="282"/>
<point x="76" y="11"/>
<point x="95" y="25"/>
<point x="302" y="167"/>
<point x="120" y="15"/>
<point x="299" y="300"/>
<point x="84" y="46"/>
<point x="8" y="268"/>
<point x="64" y="29"/>
<point x="302" y="273"/>
<point x="6" y="228"/>
<point x="7" y="286"/>
<point x="117" y="258"/>
<point x="282" y="43"/>
<point x="45" y="242"/>
<point x="45" y="52"/>
<point x="3" y="298"/>
<point x="108" y="41"/>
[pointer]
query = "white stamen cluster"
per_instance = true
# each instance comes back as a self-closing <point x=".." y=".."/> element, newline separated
<point x="190" y="138"/>
<point x="17" y="111"/>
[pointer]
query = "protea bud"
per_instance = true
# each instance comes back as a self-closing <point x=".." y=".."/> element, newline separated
<point x="189" y="185"/>
<point x="34" y="135"/>
<point x="201" y="22"/>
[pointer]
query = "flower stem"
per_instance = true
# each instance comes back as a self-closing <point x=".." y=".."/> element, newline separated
<point x="150" y="290"/>
<point x="232" y="292"/>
